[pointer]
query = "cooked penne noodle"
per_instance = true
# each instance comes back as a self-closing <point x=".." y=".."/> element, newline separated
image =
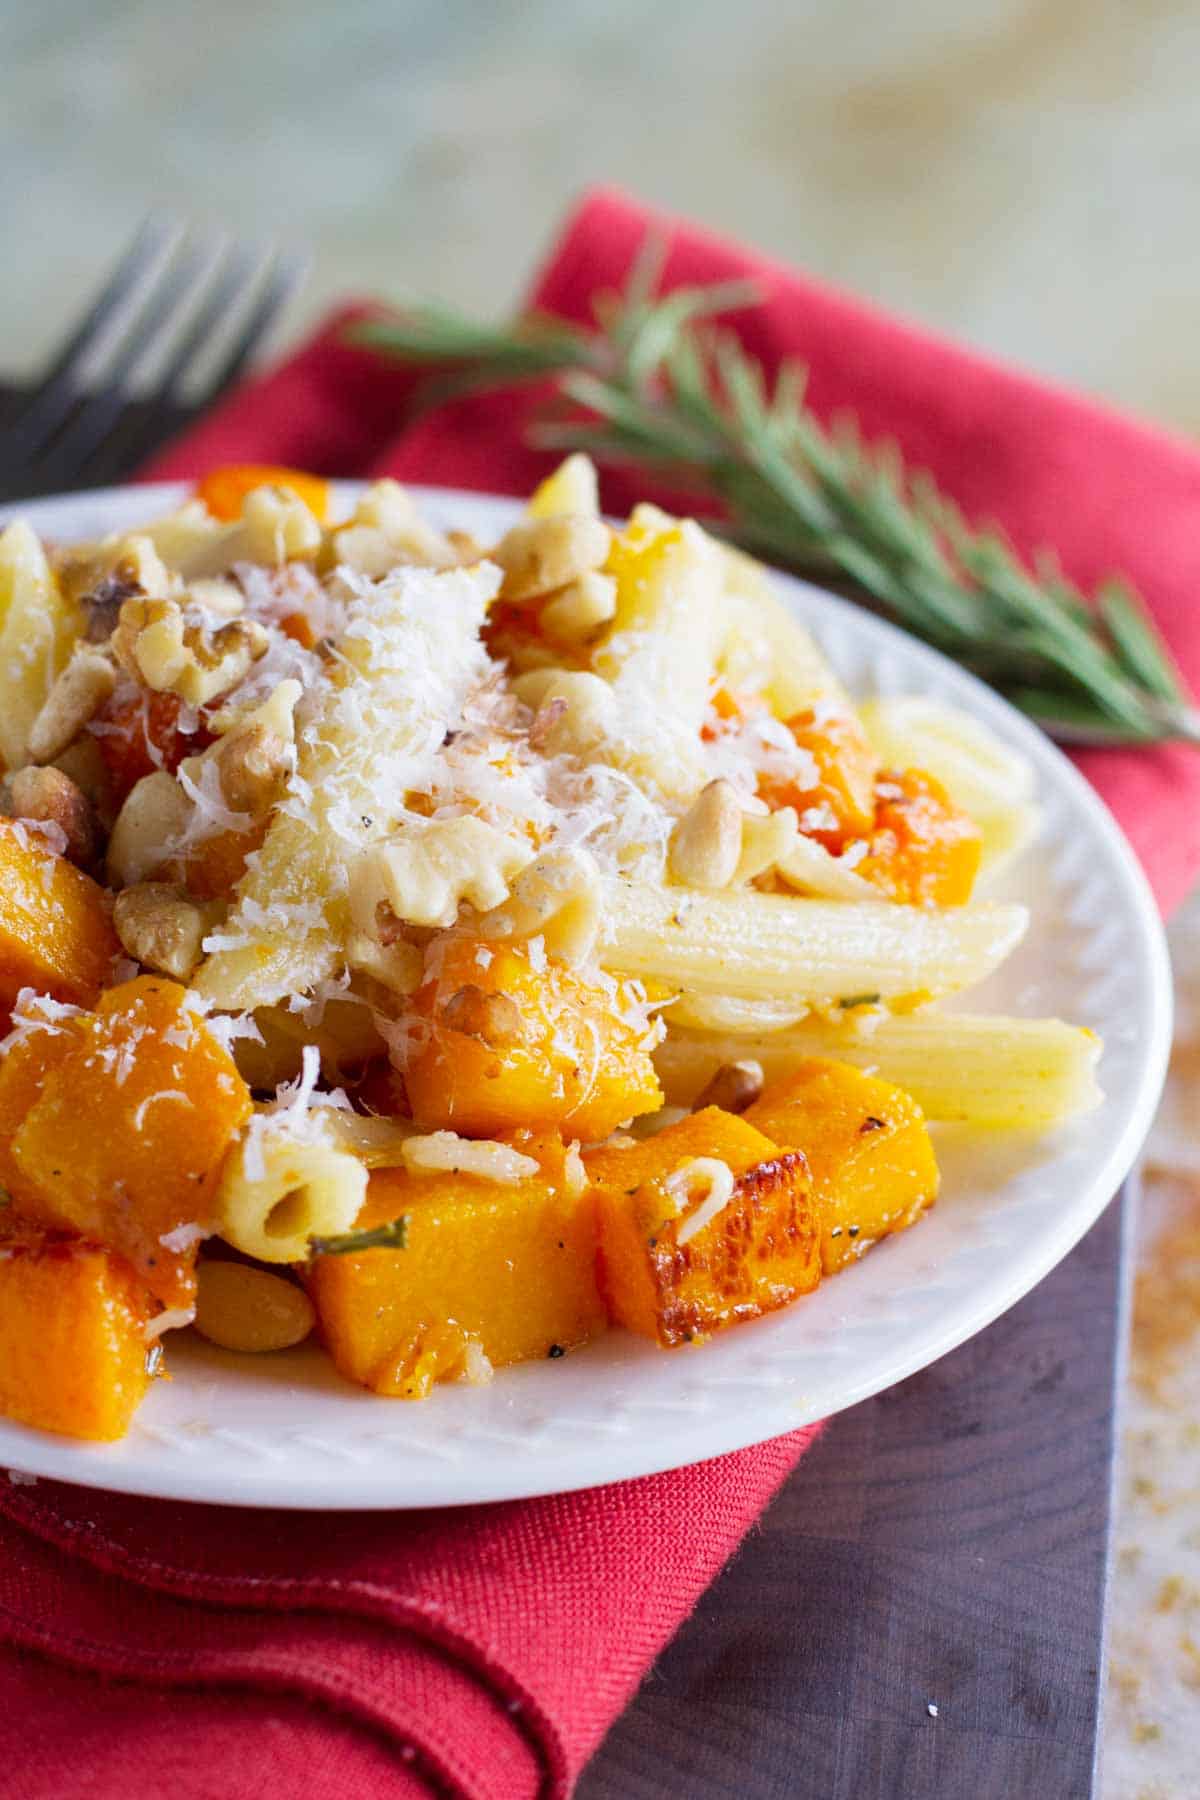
<point x="37" y="627"/>
<point x="760" y="946"/>
<point x="721" y="1013"/>
<point x="765" y="648"/>
<point x="976" y="1069"/>
<point x="277" y="1191"/>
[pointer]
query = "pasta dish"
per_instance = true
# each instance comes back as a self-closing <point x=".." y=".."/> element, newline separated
<point x="457" y="950"/>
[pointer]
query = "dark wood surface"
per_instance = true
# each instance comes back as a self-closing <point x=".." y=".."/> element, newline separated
<point x="944" y="1544"/>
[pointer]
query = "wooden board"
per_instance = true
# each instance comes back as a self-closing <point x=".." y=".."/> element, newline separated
<point x="944" y="1544"/>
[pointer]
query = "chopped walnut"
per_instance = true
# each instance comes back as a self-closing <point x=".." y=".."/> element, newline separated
<point x="73" y="701"/>
<point x="47" y="796"/>
<point x="102" y="605"/>
<point x="253" y="763"/>
<point x="733" y="1087"/>
<point x="161" y="928"/>
<point x="492" y="1018"/>
<point x="112" y="572"/>
<point x="158" y="647"/>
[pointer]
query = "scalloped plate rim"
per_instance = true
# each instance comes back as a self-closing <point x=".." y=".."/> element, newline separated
<point x="466" y="1464"/>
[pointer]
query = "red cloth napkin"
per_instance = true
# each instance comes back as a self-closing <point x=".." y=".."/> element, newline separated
<point x="486" y="1651"/>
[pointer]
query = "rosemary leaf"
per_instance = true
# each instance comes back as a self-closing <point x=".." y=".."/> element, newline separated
<point x="1136" y="642"/>
<point x="658" y="385"/>
<point x="393" y="1236"/>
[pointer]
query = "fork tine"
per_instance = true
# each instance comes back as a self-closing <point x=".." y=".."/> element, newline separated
<point x="228" y="282"/>
<point x="57" y="390"/>
<point x="101" y="410"/>
<point x="284" y="277"/>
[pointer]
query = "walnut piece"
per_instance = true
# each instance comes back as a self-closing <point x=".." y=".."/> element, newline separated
<point x="733" y="1087"/>
<point x="47" y="796"/>
<point x="158" y="647"/>
<point x="161" y="928"/>
<point x="253" y="762"/>
<point x="73" y="701"/>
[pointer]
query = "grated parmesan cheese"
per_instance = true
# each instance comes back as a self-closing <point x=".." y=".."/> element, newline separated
<point x="444" y="1152"/>
<point x="36" y="1012"/>
<point x="175" y="1094"/>
<point x="172" y="1318"/>
<point x="182" y="1239"/>
<point x="705" y="1178"/>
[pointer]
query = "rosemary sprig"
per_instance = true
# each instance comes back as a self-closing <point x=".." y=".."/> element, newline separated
<point x="658" y="385"/>
<point x="392" y="1236"/>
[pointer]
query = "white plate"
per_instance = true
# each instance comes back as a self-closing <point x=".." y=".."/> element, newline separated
<point x="287" y="1431"/>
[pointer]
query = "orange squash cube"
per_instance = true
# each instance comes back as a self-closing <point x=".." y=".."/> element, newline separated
<point x="867" y="1144"/>
<point x="512" y="1046"/>
<point x="27" y="1064"/>
<point x="223" y="490"/>
<point x="508" y="1268"/>
<point x="55" y="931"/>
<point x="839" y="802"/>
<point x="923" y="851"/>
<point x="72" y="1344"/>
<point x="124" y="1139"/>
<point x="667" y="1279"/>
<point x="211" y="869"/>
<point x="138" y="731"/>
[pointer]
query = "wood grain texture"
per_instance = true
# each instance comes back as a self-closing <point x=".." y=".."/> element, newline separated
<point x="945" y="1543"/>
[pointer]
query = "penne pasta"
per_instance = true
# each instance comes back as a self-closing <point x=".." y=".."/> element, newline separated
<point x="765" y="648"/>
<point x="278" y="1190"/>
<point x="756" y="946"/>
<point x="37" y="629"/>
<point x="974" y="1069"/>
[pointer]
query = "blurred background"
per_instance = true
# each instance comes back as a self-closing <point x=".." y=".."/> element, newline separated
<point x="1023" y="173"/>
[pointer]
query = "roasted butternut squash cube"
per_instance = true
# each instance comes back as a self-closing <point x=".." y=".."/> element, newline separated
<point x="923" y="850"/>
<point x="837" y="800"/>
<point x="223" y="490"/>
<point x="506" y="1269"/>
<point x="868" y="1147"/>
<point x="513" y="1046"/>
<point x="55" y="931"/>
<point x="678" y="1260"/>
<point x="44" y="1041"/>
<point x="139" y="731"/>
<point x="127" y="1129"/>
<point x="211" y="869"/>
<point x="72" y="1344"/>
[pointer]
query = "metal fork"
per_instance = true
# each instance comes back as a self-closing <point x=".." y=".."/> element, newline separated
<point x="175" y="323"/>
